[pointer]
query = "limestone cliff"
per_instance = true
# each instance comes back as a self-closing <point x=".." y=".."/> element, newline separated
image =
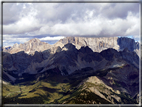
<point x="29" y="47"/>
<point x="101" y="43"/>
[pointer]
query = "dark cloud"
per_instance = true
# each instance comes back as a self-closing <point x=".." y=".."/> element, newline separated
<point x="119" y="10"/>
<point x="11" y="13"/>
<point x="76" y="11"/>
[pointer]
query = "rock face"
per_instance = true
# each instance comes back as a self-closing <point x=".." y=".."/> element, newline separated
<point x="6" y="48"/>
<point x="96" y="44"/>
<point x="101" y="43"/>
<point x="29" y="47"/>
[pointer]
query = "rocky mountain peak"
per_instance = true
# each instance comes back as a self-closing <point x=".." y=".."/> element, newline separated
<point x="34" y="40"/>
<point x="15" y="45"/>
<point x="85" y="49"/>
<point x="69" y="46"/>
<point x="102" y="43"/>
<point x="96" y="44"/>
<point x="29" y="47"/>
<point x="109" y="54"/>
<point x="126" y="50"/>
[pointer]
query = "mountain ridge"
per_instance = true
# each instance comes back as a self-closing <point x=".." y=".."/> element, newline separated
<point x="68" y="59"/>
<point x="101" y="43"/>
<point x="109" y="76"/>
<point x="96" y="44"/>
<point x="29" y="47"/>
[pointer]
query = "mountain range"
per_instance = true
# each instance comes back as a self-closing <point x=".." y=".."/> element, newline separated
<point x="107" y="68"/>
<point x="96" y="44"/>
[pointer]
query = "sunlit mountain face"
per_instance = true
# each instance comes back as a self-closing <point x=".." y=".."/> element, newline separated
<point x="74" y="70"/>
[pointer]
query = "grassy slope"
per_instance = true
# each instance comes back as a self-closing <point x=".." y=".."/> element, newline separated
<point x="45" y="91"/>
<point x="54" y="90"/>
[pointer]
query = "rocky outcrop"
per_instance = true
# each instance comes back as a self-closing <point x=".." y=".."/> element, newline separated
<point x="96" y="44"/>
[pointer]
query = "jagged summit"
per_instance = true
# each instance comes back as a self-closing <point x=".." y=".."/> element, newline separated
<point x="69" y="46"/>
<point x="101" y="43"/>
<point x="85" y="49"/>
<point x="34" y="40"/>
<point x="29" y="47"/>
<point x="110" y="54"/>
<point x="96" y="44"/>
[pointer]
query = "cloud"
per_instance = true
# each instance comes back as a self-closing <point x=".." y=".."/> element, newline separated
<point x="52" y="38"/>
<point x="70" y="19"/>
<point x="26" y="24"/>
<point x="119" y="10"/>
<point x="99" y="26"/>
<point x="26" y="21"/>
<point x="11" y="12"/>
<point x="9" y="40"/>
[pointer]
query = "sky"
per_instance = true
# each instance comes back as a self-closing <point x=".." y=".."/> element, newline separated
<point x="51" y="22"/>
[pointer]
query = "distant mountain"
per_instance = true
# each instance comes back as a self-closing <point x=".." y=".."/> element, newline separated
<point x="101" y="43"/>
<point x="29" y="47"/>
<point x="96" y="44"/>
<point x="107" y="77"/>
<point x="6" y="48"/>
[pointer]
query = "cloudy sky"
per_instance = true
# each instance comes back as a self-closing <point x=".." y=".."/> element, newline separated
<point x="53" y="21"/>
